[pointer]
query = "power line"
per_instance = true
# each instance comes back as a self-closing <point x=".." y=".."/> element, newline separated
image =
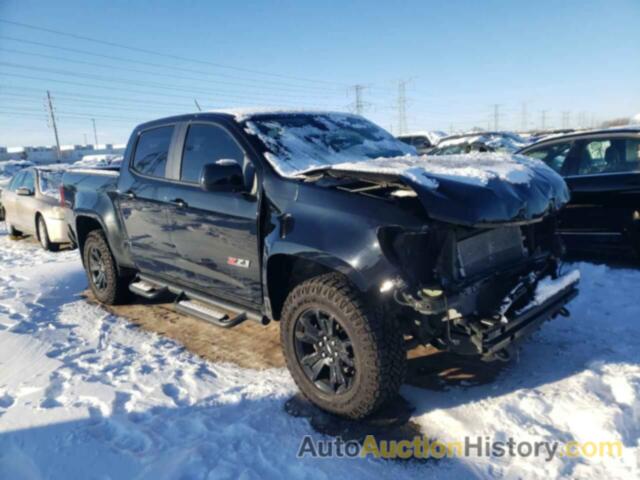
<point x="260" y="86"/>
<point x="160" y="54"/>
<point x="110" y="99"/>
<point x="164" y="66"/>
<point x="154" y="85"/>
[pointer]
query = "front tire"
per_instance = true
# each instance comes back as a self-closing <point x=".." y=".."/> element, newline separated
<point x="43" y="236"/>
<point x="344" y="357"/>
<point x="107" y="285"/>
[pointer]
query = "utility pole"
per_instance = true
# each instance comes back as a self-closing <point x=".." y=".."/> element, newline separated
<point x="95" y="132"/>
<point x="543" y="119"/>
<point x="496" y="117"/>
<point x="53" y="124"/>
<point x="402" y="106"/>
<point x="525" y="120"/>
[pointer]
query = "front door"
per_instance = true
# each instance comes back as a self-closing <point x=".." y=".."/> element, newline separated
<point x="605" y="193"/>
<point x="215" y="233"/>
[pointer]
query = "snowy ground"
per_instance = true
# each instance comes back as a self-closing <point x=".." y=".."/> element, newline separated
<point x="85" y="395"/>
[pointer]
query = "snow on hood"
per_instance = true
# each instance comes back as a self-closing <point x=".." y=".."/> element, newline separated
<point x="474" y="189"/>
<point x="474" y="168"/>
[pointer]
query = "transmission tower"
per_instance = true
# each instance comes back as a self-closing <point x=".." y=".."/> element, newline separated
<point x="402" y="106"/>
<point x="496" y="117"/>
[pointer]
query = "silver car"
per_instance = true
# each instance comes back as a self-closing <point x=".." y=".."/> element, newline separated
<point x="32" y="206"/>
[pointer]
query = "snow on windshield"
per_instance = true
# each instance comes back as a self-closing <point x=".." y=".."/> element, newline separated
<point x="298" y="142"/>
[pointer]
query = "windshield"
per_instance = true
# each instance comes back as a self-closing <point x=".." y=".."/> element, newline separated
<point x="297" y="142"/>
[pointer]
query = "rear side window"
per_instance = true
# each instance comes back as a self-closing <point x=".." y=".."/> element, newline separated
<point x="612" y="155"/>
<point x="152" y="151"/>
<point x="553" y="155"/>
<point x="207" y="144"/>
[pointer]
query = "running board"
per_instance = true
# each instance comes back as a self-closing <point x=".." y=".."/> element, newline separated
<point x="209" y="313"/>
<point x="147" y="290"/>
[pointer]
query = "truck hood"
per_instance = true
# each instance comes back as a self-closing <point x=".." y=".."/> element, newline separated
<point x="473" y="189"/>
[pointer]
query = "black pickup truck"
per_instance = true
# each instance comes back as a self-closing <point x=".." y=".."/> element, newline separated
<point x="328" y="224"/>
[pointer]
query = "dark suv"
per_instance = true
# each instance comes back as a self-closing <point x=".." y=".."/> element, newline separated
<point x="602" y="169"/>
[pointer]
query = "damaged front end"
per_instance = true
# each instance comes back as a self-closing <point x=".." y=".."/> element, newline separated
<point x="476" y="291"/>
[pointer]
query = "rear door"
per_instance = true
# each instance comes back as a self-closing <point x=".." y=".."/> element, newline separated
<point x="215" y="233"/>
<point x="605" y="185"/>
<point x="142" y="203"/>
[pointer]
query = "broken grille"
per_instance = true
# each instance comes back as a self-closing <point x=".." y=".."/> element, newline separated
<point x="489" y="249"/>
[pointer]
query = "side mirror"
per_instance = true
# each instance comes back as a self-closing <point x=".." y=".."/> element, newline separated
<point x="24" y="192"/>
<point x="222" y="176"/>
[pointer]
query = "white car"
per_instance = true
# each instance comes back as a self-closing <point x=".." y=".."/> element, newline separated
<point x="8" y="169"/>
<point x="32" y="206"/>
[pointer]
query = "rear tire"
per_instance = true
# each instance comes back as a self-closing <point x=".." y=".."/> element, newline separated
<point x="107" y="285"/>
<point x="43" y="236"/>
<point x="370" y="348"/>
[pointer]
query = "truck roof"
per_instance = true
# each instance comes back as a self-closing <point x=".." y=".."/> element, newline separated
<point x="240" y="114"/>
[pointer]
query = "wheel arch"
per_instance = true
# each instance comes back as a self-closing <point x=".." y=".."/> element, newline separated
<point x="85" y="224"/>
<point x="285" y="271"/>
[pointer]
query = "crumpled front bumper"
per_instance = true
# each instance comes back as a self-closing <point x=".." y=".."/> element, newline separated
<point x="549" y="301"/>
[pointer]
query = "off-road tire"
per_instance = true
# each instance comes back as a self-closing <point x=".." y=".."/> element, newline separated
<point x="43" y="236"/>
<point x="378" y="346"/>
<point x="116" y="290"/>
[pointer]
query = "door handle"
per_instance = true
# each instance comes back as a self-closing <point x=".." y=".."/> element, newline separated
<point x="129" y="194"/>
<point x="178" y="202"/>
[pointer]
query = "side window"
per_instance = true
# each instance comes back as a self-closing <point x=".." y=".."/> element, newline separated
<point x="16" y="181"/>
<point x="613" y="155"/>
<point x="29" y="181"/>
<point x="207" y="144"/>
<point x="152" y="150"/>
<point x="632" y="156"/>
<point x="553" y="155"/>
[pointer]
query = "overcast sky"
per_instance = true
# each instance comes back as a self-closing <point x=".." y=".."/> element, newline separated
<point x="459" y="59"/>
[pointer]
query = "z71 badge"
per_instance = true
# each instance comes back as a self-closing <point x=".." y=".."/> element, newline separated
<point x="238" y="262"/>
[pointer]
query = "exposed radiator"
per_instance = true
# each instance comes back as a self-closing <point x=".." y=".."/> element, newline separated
<point x="487" y="250"/>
